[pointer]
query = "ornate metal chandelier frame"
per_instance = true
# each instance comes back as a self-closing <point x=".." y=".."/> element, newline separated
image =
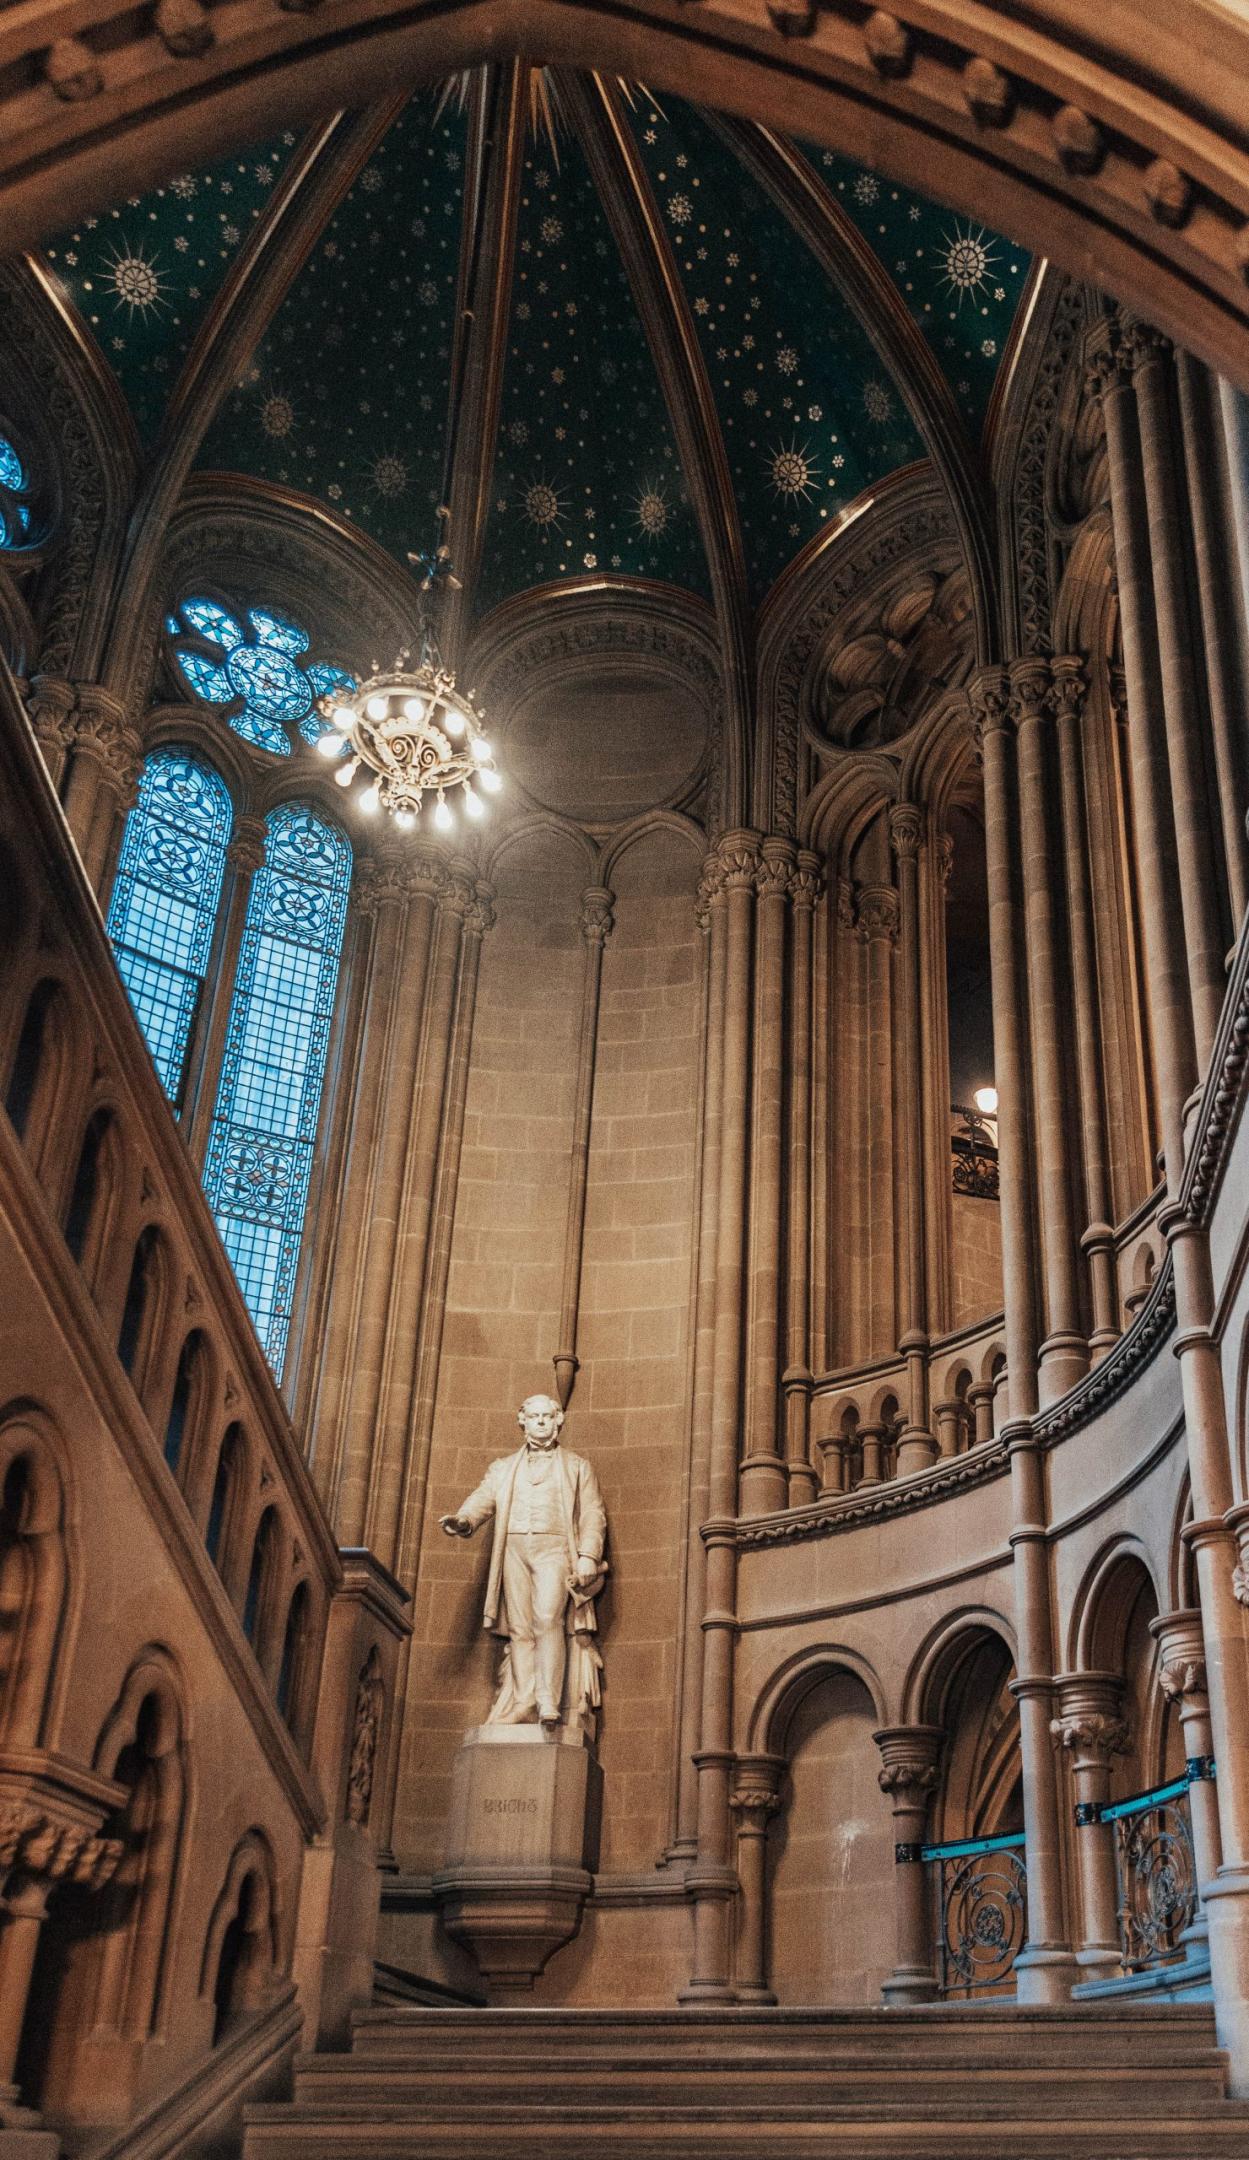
<point x="415" y="733"/>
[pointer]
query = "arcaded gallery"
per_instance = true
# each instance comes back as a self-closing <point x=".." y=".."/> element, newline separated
<point x="624" y="1037"/>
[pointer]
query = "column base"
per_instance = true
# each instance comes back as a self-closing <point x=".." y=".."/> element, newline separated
<point x="1226" y="1902"/>
<point x="708" y="1991"/>
<point x="916" y="1451"/>
<point x="1099" y="1961"/>
<point x="762" y="1485"/>
<point x="1045" y="1976"/>
<point x="902" y="1988"/>
<point x="804" y="1486"/>
<point x="758" y="1995"/>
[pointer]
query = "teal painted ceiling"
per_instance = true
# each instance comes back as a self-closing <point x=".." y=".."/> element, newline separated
<point x="346" y="397"/>
<point x="144" y="276"/>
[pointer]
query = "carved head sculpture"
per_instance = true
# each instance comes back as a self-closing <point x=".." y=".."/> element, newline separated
<point x="540" y="1418"/>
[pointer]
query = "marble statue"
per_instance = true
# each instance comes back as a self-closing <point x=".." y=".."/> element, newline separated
<point x="546" y="1569"/>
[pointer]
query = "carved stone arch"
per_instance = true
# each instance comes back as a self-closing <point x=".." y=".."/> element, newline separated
<point x="36" y="1573"/>
<point x="792" y="1680"/>
<point x="1021" y="460"/>
<point x="935" y="1662"/>
<point x="239" y="1971"/>
<point x="74" y="411"/>
<point x="19" y="636"/>
<point x="148" y="1722"/>
<point x="1183" y="1589"/>
<point x="546" y="641"/>
<point x="103" y="1175"/>
<point x="1086" y="608"/>
<point x="993" y="1361"/>
<point x="641" y="828"/>
<point x="542" y="821"/>
<point x="47" y="1067"/>
<point x="256" y="542"/>
<point x="844" y="802"/>
<point x="939" y="760"/>
<point x="904" y="519"/>
<point x="206" y="736"/>
<point x="1096" y="1623"/>
<point x="885" y="1401"/>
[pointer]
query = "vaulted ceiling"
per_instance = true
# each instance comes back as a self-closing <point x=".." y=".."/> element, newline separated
<point x="686" y="345"/>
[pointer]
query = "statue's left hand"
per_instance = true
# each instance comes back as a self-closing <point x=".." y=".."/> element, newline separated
<point x="587" y="1570"/>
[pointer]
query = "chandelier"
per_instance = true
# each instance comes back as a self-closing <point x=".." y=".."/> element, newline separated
<point x="412" y="733"/>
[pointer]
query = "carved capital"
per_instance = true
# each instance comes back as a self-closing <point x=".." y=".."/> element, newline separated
<point x="1068" y="685"/>
<point x="806" y="882"/>
<point x="1092" y="1733"/>
<point x="911" y="1762"/>
<point x="754" y="1810"/>
<point x="103" y="733"/>
<point x="457" y="893"/>
<point x="40" y="1850"/>
<point x="423" y="874"/>
<point x="1183" y="1676"/>
<point x="906" y="830"/>
<point x="988" y="702"/>
<point x="878" y="914"/>
<point x="845" y="903"/>
<point x="1029" y="690"/>
<point x="737" y="860"/>
<point x="1140" y="344"/>
<point x="776" y="865"/>
<point x="597" y="919"/>
<point x="481" y="917"/>
<point x="1240" y="1583"/>
<point x="246" y="851"/>
<point x="52" y="705"/>
<point x="945" y="860"/>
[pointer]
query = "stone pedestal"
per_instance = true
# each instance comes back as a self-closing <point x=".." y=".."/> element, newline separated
<point x="521" y="1840"/>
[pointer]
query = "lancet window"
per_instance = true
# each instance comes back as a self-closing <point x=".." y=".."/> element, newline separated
<point x="269" y="1098"/>
<point x="165" y="900"/>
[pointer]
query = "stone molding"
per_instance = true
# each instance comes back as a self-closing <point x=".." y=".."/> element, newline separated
<point x="246" y="852"/>
<point x="597" y="918"/>
<point x="1221" y="1101"/>
<point x="906" y="830"/>
<point x="878" y="914"/>
<point x="1025" y="488"/>
<point x="43" y="1849"/>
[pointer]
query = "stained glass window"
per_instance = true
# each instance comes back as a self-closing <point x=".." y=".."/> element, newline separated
<point x="255" y="667"/>
<point x="265" y="1123"/>
<point x="165" y="899"/>
<point x="15" y="512"/>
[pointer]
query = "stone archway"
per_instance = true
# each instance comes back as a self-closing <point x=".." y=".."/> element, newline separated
<point x="1047" y="123"/>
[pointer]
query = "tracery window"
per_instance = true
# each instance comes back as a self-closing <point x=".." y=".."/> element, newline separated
<point x="15" y="494"/>
<point x="165" y="900"/>
<point x="254" y="667"/>
<point x="269" y="1098"/>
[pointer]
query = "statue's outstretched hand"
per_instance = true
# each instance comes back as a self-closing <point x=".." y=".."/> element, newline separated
<point x="456" y="1525"/>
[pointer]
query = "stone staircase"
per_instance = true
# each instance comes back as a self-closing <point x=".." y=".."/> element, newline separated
<point x="983" y="2082"/>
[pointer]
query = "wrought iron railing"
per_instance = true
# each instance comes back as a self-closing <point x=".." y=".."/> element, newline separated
<point x="973" y="1143"/>
<point x="982" y="1912"/>
<point x="1157" y="1873"/>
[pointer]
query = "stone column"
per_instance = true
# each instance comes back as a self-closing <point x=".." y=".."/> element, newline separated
<point x="980" y="1403"/>
<point x="833" y="1463"/>
<point x="712" y="918"/>
<point x="596" y="924"/>
<point x="102" y="783"/>
<point x="797" y="1382"/>
<point x="949" y="1416"/>
<point x="1045" y="1969"/>
<point x="916" y="1448"/>
<point x="37" y="1852"/>
<point x="1204" y="940"/>
<point x="755" y="1799"/>
<point x="1064" y="1351"/>
<point x="1170" y="1011"/>
<point x="354" y="1365"/>
<point x="1222" y="614"/>
<point x="911" y="1755"/>
<point x="418" y="1172"/>
<point x="763" y="1482"/>
<point x="1092" y="1731"/>
<point x="1182" y="1678"/>
<point x="1221" y="1585"/>
<point x="877" y="927"/>
<point x="872" y="1442"/>
<point x="989" y="698"/>
<point x="1067" y="697"/>
<point x="712" y="1880"/>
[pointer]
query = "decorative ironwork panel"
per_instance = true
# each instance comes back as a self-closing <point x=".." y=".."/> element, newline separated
<point x="165" y="899"/>
<point x="15" y="507"/>
<point x="982" y="1913"/>
<point x="255" y="667"/>
<point x="1157" y="1873"/>
<point x="269" y="1100"/>
<point x="973" y="1144"/>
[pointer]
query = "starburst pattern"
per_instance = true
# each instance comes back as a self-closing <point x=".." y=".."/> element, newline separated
<point x="968" y="263"/>
<point x="277" y="415"/>
<point x="388" y="475"/>
<point x="877" y="403"/>
<point x="791" y="470"/>
<point x="650" y="508"/>
<point x="542" y="505"/>
<point x="137" y="281"/>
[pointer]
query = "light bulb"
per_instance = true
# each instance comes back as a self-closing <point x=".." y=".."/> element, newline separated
<point x="473" y="803"/>
<point x="480" y="750"/>
<point x="376" y="707"/>
<point x="404" y="820"/>
<point x="414" y="709"/>
<point x="985" y="1099"/>
<point x="347" y="773"/>
<point x="491" y="780"/>
<point x="343" y="718"/>
<point x="330" y="744"/>
<point x="453" y="720"/>
<point x="442" y="817"/>
<point x="370" y="801"/>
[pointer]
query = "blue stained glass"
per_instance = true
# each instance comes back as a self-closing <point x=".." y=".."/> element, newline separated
<point x="207" y="680"/>
<point x="165" y="899"/>
<point x="213" y="623"/>
<point x="266" y="734"/>
<point x="269" y="1101"/>
<point x="12" y="470"/>
<point x="173" y="626"/>
<point x="325" y="680"/>
<point x="14" y="486"/>
<point x="278" y="630"/>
